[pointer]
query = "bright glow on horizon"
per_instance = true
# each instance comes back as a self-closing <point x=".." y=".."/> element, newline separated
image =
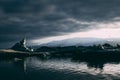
<point x="95" y="33"/>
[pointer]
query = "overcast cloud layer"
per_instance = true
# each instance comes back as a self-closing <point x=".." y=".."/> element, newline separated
<point x="44" y="18"/>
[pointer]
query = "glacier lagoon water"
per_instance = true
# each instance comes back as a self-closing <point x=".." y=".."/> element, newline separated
<point x="34" y="68"/>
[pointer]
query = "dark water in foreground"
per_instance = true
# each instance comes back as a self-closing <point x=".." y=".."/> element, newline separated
<point x="33" y="68"/>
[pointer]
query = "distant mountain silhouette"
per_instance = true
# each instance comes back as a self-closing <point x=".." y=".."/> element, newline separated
<point x="103" y="47"/>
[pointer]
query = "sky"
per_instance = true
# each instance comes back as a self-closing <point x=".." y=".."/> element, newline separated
<point x="47" y="20"/>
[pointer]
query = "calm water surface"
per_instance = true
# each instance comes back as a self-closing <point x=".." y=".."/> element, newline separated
<point x="33" y="68"/>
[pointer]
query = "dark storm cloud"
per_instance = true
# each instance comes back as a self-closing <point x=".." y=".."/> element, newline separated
<point x="43" y="18"/>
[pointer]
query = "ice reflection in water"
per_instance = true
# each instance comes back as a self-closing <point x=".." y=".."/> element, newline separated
<point x="109" y="71"/>
<point x="113" y="69"/>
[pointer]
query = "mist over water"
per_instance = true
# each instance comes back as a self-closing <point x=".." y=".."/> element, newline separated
<point x="34" y="68"/>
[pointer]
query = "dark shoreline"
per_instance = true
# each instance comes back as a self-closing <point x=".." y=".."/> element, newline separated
<point x="83" y="56"/>
<point x="19" y="54"/>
